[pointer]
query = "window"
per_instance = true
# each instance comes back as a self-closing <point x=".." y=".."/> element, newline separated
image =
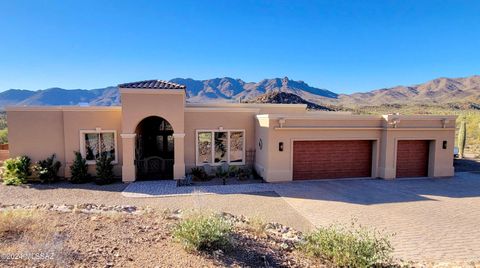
<point x="220" y="146"/>
<point x="94" y="143"/>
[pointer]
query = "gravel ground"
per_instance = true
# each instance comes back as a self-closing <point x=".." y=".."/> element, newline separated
<point x="265" y="205"/>
<point x="101" y="236"/>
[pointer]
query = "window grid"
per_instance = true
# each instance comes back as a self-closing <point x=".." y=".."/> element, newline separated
<point x="97" y="132"/>
<point x="212" y="142"/>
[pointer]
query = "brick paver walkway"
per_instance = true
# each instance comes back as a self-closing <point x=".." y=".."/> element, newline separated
<point x="433" y="219"/>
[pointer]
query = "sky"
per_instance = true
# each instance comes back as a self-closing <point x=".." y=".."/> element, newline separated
<point x="343" y="46"/>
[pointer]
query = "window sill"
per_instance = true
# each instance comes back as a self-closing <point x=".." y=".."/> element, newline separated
<point x="90" y="162"/>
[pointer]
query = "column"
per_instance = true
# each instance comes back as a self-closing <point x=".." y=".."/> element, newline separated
<point x="179" y="155"/>
<point x="387" y="155"/>
<point x="128" y="167"/>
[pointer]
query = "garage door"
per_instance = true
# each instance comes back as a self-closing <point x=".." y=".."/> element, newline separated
<point x="412" y="158"/>
<point x="331" y="159"/>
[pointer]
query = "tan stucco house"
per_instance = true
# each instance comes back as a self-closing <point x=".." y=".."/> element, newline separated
<point x="156" y="134"/>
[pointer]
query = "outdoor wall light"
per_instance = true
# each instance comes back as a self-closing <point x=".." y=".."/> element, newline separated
<point x="280" y="146"/>
<point x="444" y="145"/>
<point x="445" y="121"/>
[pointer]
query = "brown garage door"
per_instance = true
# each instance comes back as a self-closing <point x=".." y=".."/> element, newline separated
<point x="412" y="158"/>
<point x="331" y="159"/>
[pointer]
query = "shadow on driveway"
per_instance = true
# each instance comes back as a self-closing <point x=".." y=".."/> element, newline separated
<point x="376" y="191"/>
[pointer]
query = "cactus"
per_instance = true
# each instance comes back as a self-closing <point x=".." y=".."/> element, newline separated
<point x="462" y="138"/>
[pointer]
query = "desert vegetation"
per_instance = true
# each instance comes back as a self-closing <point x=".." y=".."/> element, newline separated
<point x="21" y="170"/>
<point x="349" y="246"/>
<point x="466" y="112"/>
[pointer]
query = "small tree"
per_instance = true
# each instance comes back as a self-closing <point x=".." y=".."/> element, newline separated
<point x="79" y="169"/>
<point x="104" y="170"/>
<point x="462" y="138"/>
<point x="16" y="170"/>
<point x="47" y="169"/>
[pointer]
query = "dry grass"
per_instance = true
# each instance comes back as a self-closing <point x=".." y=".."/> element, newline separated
<point x="28" y="234"/>
<point x="257" y="226"/>
<point x="16" y="223"/>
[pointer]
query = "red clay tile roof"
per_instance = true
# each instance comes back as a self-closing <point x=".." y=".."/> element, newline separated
<point x="153" y="84"/>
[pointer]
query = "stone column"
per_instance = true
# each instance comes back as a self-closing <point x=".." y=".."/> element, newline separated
<point x="179" y="155"/>
<point x="128" y="167"/>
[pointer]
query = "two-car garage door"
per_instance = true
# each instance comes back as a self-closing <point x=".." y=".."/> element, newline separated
<point x="332" y="159"/>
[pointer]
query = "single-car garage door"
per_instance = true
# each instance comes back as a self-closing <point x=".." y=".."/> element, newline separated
<point x="412" y="158"/>
<point x="331" y="159"/>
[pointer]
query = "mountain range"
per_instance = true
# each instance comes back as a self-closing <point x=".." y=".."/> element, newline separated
<point x="437" y="91"/>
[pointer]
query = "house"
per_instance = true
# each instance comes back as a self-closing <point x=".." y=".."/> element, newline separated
<point x="156" y="134"/>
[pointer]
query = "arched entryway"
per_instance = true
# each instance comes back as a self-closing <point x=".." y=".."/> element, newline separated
<point x="154" y="149"/>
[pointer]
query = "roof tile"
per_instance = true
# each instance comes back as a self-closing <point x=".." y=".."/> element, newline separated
<point x="153" y="84"/>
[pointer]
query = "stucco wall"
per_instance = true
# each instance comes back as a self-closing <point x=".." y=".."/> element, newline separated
<point x="142" y="104"/>
<point x="36" y="134"/>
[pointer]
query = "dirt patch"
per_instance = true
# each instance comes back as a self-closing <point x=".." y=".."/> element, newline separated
<point x="94" y="236"/>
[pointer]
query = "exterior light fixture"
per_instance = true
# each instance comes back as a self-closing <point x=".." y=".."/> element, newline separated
<point x="445" y="121"/>
<point x="281" y="122"/>
<point x="395" y="122"/>
<point x="280" y="146"/>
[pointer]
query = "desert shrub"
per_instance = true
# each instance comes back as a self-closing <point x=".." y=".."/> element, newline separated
<point x="14" y="223"/>
<point x="233" y="171"/>
<point x="204" y="232"/>
<point x="221" y="172"/>
<point x="199" y="174"/>
<point x="79" y="169"/>
<point x="4" y="136"/>
<point x="348" y="247"/>
<point x="47" y="169"/>
<point x="104" y="170"/>
<point x="16" y="170"/>
<point x="257" y="226"/>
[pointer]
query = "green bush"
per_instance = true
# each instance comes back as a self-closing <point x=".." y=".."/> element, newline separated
<point x="48" y="169"/>
<point x="16" y="170"/>
<point x="104" y="170"/>
<point x="4" y="136"/>
<point x="348" y="247"/>
<point x="79" y="169"/>
<point x="204" y="232"/>
<point x="199" y="174"/>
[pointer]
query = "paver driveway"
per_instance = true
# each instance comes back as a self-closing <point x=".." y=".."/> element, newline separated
<point x="434" y="219"/>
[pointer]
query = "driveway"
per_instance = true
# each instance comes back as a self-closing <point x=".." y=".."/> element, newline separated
<point x="433" y="219"/>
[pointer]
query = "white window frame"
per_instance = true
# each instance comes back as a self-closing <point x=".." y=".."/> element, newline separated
<point x="97" y="131"/>
<point x="212" y="131"/>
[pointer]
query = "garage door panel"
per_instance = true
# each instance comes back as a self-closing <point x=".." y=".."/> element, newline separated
<point x="331" y="159"/>
<point x="412" y="158"/>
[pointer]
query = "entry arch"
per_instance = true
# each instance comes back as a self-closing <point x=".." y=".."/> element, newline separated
<point x="154" y="149"/>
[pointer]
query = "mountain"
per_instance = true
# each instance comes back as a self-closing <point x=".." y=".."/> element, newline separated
<point x="284" y="97"/>
<point x="437" y="91"/>
<point x="59" y="96"/>
<point x="236" y="90"/>
<point x="212" y="90"/>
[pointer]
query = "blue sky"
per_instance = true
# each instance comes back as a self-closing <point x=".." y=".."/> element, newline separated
<point x="343" y="46"/>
